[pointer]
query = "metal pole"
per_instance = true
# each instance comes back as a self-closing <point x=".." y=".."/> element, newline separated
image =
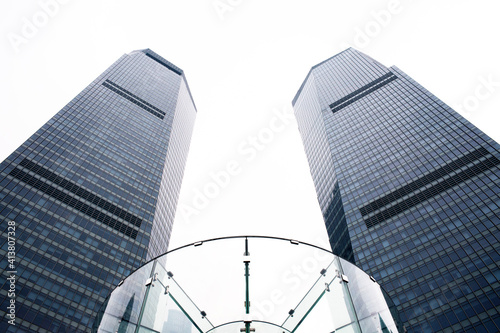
<point x="247" y="296"/>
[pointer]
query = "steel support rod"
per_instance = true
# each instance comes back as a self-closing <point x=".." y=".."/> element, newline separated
<point x="247" y="296"/>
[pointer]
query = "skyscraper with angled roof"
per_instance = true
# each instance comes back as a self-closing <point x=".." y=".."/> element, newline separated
<point x="409" y="191"/>
<point x="93" y="193"/>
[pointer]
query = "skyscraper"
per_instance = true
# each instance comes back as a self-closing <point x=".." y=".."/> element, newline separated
<point x="177" y="323"/>
<point x="409" y="191"/>
<point x="92" y="194"/>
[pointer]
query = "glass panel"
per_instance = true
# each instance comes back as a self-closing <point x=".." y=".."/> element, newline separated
<point x="374" y="323"/>
<point x="341" y="307"/>
<point x="168" y="306"/>
<point x="318" y="320"/>
<point x="368" y="299"/>
<point x="156" y="301"/>
<point x="257" y="325"/>
<point x="209" y="277"/>
<point x="313" y="296"/>
<point x="202" y="288"/>
<point x="281" y="274"/>
<point x="351" y="328"/>
<point x="124" y="304"/>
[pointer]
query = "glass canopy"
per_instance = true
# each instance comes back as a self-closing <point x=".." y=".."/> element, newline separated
<point x="247" y="284"/>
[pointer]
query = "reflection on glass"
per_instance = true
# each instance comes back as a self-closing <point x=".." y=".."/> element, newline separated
<point x="314" y="296"/>
<point x="292" y="287"/>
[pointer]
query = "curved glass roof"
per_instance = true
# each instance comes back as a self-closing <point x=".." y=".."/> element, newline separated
<point x="247" y="284"/>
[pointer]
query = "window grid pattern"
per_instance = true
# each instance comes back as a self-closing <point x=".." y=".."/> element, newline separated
<point x="362" y="92"/>
<point x="437" y="258"/>
<point x="134" y="99"/>
<point x="81" y="192"/>
<point x="309" y="117"/>
<point x="432" y="191"/>
<point x="423" y="181"/>
<point x="73" y="202"/>
<point x="95" y="157"/>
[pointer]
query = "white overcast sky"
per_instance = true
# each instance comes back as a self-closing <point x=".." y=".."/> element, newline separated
<point x="244" y="61"/>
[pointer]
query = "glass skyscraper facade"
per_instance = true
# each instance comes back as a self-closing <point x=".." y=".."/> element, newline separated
<point x="409" y="191"/>
<point x="92" y="194"/>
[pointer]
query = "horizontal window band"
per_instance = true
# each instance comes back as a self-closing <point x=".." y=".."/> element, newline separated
<point x="73" y="202"/>
<point x="423" y="181"/>
<point x="176" y="71"/>
<point x="134" y="96"/>
<point x="432" y="191"/>
<point x="134" y="99"/>
<point x="362" y="92"/>
<point x="81" y="192"/>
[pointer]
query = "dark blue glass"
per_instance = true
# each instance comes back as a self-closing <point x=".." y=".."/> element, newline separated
<point x="93" y="192"/>
<point x="408" y="188"/>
